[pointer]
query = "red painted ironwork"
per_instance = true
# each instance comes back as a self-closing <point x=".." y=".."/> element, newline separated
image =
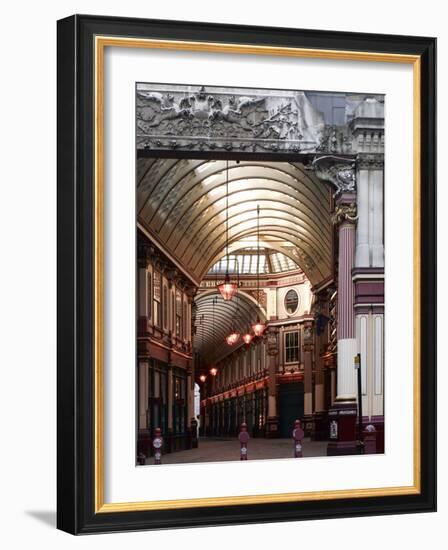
<point x="298" y="435"/>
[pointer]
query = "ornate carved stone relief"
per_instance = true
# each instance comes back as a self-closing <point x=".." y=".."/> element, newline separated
<point x="272" y="341"/>
<point x="338" y="171"/>
<point x="345" y="212"/>
<point x="204" y="119"/>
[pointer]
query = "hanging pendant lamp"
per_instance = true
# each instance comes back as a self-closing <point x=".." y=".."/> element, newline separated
<point x="258" y="327"/>
<point x="247" y="338"/>
<point x="233" y="338"/>
<point x="228" y="288"/>
<point x="234" y="335"/>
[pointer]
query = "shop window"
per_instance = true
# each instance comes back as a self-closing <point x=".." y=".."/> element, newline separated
<point x="179" y="402"/>
<point x="158" y="409"/>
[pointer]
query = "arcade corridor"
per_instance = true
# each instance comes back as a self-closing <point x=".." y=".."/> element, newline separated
<point x="260" y="278"/>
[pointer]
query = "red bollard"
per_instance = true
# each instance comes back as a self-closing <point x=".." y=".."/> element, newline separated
<point x="297" y="435"/>
<point x="369" y="440"/>
<point x="157" y="444"/>
<point x="244" y="438"/>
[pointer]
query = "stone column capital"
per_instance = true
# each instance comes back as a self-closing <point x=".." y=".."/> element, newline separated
<point x="345" y="212"/>
<point x="272" y="341"/>
<point x="145" y="254"/>
<point x="308" y="340"/>
<point x="340" y="171"/>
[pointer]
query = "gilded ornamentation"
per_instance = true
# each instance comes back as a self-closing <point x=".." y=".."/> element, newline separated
<point x="345" y="212"/>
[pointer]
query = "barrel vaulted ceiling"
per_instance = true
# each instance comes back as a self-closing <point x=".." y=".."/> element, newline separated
<point x="215" y="318"/>
<point x="181" y="203"/>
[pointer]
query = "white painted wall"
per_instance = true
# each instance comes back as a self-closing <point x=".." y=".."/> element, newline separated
<point x="370" y="344"/>
<point x="304" y="294"/>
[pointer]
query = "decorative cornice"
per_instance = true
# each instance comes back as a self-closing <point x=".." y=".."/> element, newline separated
<point x="147" y="254"/>
<point x="370" y="161"/>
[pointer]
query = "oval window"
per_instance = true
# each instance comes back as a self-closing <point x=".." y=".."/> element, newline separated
<point x="291" y="302"/>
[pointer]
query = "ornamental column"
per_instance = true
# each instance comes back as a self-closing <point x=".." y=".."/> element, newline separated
<point x="170" y="390"/>
<point x="320" y="420"/>
<point x="191" y="420"/>
<point x="272" y="350"/>
<point x="308" y="377"/>
<point x="342" y="417"/>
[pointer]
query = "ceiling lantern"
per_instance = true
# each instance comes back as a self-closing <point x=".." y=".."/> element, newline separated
<point x="233" y="338"/>
<point x="228" y="288"/>
<point x="258" y="327"/>
<point x="247" y="338"/>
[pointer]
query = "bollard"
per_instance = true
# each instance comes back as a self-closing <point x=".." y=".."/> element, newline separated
<point x="370" y="440"/>
<point x="244" y="438"/>
<point x="141" y="459"/>
<point x="297" y="435"/>
<point x="157" y="444"/>
<point x="194" y="433"/>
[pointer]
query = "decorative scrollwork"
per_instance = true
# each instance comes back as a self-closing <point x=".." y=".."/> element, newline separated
<point x="338" y="171"/>
<point x="213" y="119"/>
<point x="345" y="212"/>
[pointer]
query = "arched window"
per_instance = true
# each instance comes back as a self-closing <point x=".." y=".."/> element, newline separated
<point x="165" y="307"/>
<point x="178" y="314"/>
<point x="185" y="321"/>
<point x="157" y="297"/>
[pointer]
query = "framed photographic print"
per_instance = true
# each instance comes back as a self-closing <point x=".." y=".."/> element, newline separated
<point x="246" y="274"/>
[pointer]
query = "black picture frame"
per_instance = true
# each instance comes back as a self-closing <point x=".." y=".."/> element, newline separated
<point x="76" y="512"/>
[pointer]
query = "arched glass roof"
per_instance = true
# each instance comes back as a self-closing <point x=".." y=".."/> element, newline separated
<point x="181" y="203"/>
<point x="246" y="262"/>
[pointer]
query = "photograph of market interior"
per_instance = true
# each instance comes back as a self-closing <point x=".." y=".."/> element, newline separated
<point x="260" y="274"/>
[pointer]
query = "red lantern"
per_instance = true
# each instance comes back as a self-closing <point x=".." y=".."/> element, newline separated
<point x="247" y="338"/>
<point x="227" y="288"/>
<point x="258" y="328"/>
<point x="232" y="338"/>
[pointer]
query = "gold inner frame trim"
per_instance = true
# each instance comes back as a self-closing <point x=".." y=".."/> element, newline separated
<point x="101" y="42"/>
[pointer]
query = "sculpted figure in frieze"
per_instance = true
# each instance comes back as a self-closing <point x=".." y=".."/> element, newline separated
<point x="203" y="119"/>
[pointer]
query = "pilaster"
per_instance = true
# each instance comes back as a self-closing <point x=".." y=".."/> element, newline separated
<point x="272" y="350"/>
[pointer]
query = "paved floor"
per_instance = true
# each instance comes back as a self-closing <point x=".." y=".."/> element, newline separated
<point x="221" y="449"/>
